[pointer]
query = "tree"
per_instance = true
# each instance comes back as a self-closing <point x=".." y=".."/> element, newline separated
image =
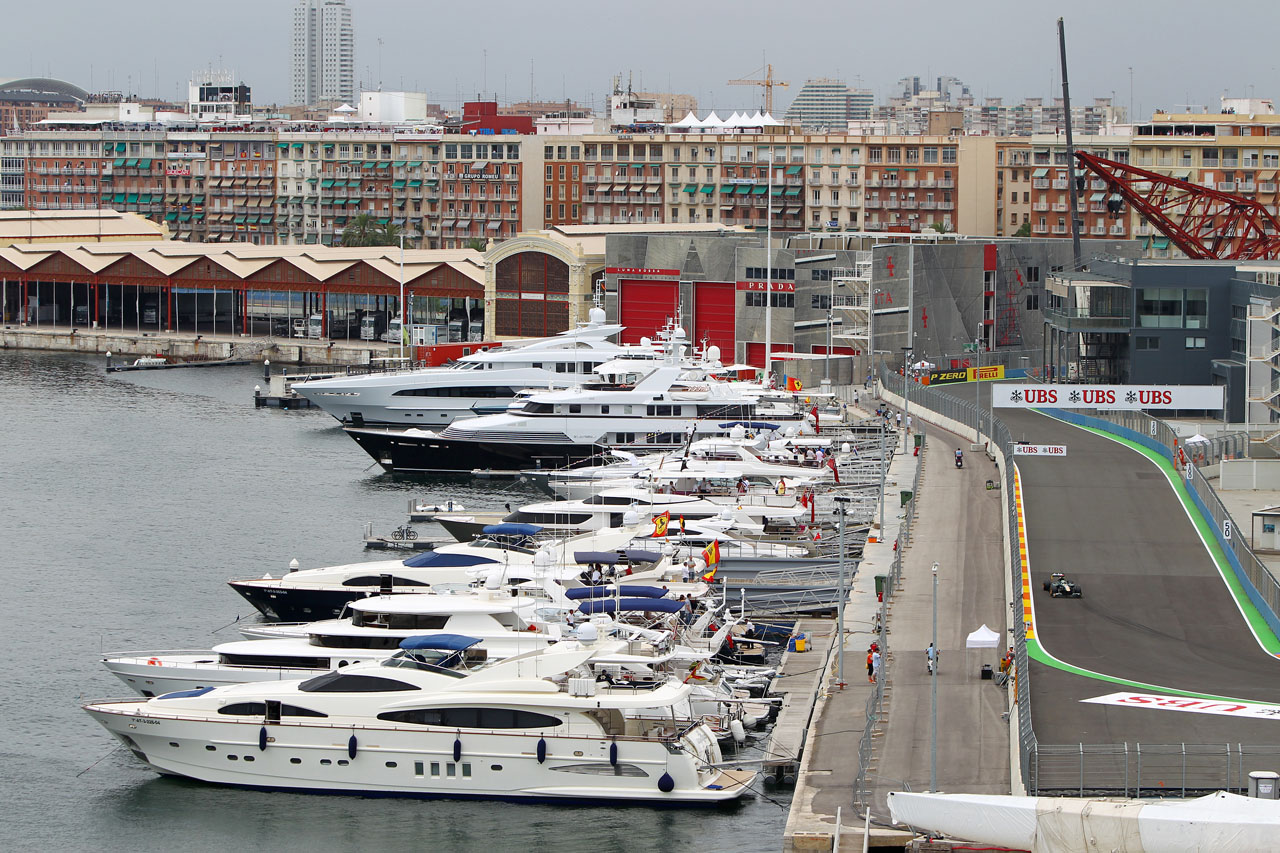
<point x="479" y="244"/>
<point x="940" y="227"/>
<point x="1024" y="230"/>
<point x="364" y="230"/>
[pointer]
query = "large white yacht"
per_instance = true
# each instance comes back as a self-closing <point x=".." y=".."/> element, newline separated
<point x="536" y="726"/>
<point x="482" y="383"/>
<point x="626" y="404"/>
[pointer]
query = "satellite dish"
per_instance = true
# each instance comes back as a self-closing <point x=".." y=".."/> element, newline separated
<point x="596" y="316"/>
<point x="646" y="342"/>
<point x="631" y="518"/>
<point x="844" y="448"/>
<point x="738" y="431"/>
<point x="713" y="353"/>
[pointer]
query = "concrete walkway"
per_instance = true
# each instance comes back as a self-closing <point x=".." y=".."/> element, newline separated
<point x="957" y="525"/>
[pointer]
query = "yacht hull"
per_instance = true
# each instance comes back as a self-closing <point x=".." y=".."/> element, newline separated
<point x="396" y="450"/>
<point x="294" y="604"/>
<point x="425" y="763"/>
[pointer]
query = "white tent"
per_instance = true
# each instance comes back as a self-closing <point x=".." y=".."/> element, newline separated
<point x="983" y="638"/>
<point x="1197" y="439"/>
<point x="770" y="120"/>
<point x="689" y="120"/>
<point x="734" y="120"/>
<point x="756" y="120"/>
<point x="713" y="120"/>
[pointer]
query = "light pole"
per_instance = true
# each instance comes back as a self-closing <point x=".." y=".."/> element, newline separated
<point x="402" y="316"/>
<point x="933" y="690"/>
<point x="840" y="508"/>
<point x="884" y="463"/>
<point x="977" y="393"/>
<point x="906" y="390"/>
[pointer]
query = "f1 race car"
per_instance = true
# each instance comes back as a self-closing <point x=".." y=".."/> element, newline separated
<point x="1059" y="587"/>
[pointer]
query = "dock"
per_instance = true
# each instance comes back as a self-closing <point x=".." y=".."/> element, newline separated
<point x="797" y="683"/>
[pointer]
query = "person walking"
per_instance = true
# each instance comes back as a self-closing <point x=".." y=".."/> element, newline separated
<point x="871" y="666"/>
<point x="931" y="659"/>
<point x="875" y="666"/>
<point x="908" y="424"/>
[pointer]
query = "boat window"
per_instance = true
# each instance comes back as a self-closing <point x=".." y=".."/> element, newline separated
<point x="608" y="499"/>
<point x="532" y="408"/>
<point x="430" y="621"/>
<point x="274" y="661"/>
<point x="341" y="682"/>
<point x="376" y="580"/>
<point x="259" y="709"/>
<point x="337" y="641"/>
<point x="481" y="391"/>
<point x="473" y="718"/>
<point x="603" y="769"/>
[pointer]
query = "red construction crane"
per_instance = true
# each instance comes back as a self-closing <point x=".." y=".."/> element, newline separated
<point x="1204" y="223"/>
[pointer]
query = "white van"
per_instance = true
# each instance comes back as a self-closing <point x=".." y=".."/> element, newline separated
<point x="394" y="333"/>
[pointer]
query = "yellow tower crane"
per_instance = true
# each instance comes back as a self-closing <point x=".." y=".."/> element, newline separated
<point x="767" y="84"/>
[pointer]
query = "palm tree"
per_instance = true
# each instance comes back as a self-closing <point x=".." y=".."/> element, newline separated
<point x="364" y="230"/>
<point x="941" y="227"/>
<point x="478" y="244"/>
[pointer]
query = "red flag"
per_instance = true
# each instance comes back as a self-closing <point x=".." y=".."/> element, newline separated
<point x="711" y="555"/>
<point x="831" y="463"/>
<point x="660" y="523"/>
<point x="816" y="427"/>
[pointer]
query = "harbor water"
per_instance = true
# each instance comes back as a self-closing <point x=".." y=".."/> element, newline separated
<point x="126" y="504"/>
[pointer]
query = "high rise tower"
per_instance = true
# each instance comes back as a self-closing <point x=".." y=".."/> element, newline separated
<point x="324" y="52"/>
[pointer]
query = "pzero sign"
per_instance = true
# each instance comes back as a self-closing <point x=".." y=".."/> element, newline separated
<point x="1200" y="397"/>
<point x="1039" y="450"/>
<point x="1254" y="710"/>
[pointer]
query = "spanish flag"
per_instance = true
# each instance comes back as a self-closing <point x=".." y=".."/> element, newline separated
<point x="660" y="523"/>
<point x="794" y="384"/>
<point x="711" y="556"/>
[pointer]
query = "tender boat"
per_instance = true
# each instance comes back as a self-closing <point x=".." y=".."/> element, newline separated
<point x="538" y="726"/>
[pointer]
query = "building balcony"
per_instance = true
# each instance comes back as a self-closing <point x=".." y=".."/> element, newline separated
<point x="1040" y="207"/>
<point x="910" y="183"/>
<point x="928" y="205"/>
<point x="928" y="183"/>
<point x="1117" y="230"/>
<point x="1059" y="229"/>
<point x="1205" y="163"/>
<point x="1083" y="319"/>
<point x="1059" y="207"/>
<point x="891" y="182"/>
<point x="1248" y="187"/>
<point x="908" y="204"/>
<point x="1098" y="230"/>
<point x="946" y="205"/>
<point x="946" y="184"/>
<point x="1040" y="183"/>
<point x="851" y="181"/>
<point x="872" y="204"/>
<point x="873" y="182"/>
<point x="815" y="180"/>
<point x="1061" y="184"/>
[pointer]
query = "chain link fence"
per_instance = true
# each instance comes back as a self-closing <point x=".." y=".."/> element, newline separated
<point x="875" y="702"/>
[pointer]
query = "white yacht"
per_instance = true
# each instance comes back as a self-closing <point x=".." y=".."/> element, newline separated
<point x="626" y="404"/>
<point x="482" y="383"/>
<point x="512" y="549"/>
<point x="537" y="726"/>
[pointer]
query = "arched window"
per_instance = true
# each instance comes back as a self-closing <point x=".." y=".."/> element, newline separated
<point x="532" y="295"/>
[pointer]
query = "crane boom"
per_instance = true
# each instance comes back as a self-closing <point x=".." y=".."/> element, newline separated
<point x="767" y="84"/>
<point x="1203" y="222"/>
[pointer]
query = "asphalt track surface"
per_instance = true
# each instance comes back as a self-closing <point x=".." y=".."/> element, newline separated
<point x="1155" y="609"/>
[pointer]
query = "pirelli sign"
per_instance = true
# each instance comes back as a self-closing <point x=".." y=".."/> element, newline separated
<point x="966" y="374"/>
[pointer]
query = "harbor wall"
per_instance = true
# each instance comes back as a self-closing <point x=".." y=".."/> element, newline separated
<point x="128" y="345"/>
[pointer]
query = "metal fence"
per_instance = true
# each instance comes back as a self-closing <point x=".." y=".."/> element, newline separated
<point x="1137" y="769"/>
<point x="1149" y="769"/>
<point x="875" y="702"/>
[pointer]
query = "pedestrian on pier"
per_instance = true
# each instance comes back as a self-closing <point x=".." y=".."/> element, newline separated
<point x="875" y="666"/>
<point x="870" y="666"/>
<point x="899" y="420"/>
<point x="908" y="424"/>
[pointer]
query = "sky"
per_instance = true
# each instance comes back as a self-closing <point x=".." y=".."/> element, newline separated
<point x="1146" y="54"/>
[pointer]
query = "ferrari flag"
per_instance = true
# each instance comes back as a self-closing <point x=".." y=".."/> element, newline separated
<point x="660" y="523"/>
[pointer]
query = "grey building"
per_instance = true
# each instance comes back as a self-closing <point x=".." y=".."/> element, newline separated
<point x="324" y="52"/>
<point x="1162" y="322"/>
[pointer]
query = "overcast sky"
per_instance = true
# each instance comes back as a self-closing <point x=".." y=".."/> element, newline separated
<point x="1180" y="51"/>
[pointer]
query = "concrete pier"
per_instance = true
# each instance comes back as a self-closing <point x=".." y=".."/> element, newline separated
<point x="131" y="344"/>
<point x="798" y="682"/>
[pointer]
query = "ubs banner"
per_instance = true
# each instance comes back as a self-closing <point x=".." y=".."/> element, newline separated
<point x="1009" y="396"/>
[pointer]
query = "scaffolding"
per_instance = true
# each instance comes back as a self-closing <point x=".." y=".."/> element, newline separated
<point x="851" y="287"/>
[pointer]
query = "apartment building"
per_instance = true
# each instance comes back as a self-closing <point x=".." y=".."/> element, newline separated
<point x="1033" y="184"/>
<point x="1234" y="153"/>
<point x="324" y="52"/>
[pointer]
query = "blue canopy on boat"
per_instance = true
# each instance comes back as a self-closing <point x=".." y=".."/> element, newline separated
<point x="582" y="592"/>
<point x="436" y="559"/>
<point x="606" y="557"/>
<point x="185" y="694"/>
<point x="511" y="528"/>
<point x="613" y="605"/>
<point x="748" y="425"/>
<point x="440" y="642"/>
<point x="637" y="556"/>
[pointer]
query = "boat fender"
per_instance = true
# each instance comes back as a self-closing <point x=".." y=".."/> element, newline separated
<point x="666" y="784"/>
<point x="739" y="733"/>
<point x="262" y="739"/>
<point x="613" y="753"/>
<point x="351" y="746"/>
<point x="533" y="628"/>
<point x="542" y="750"/>
<point x="457" y="749"/>
<point x="153" y="661"/>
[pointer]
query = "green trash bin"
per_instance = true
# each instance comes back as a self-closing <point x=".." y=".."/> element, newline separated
<point x="906" y="498"/>
<point x="880" y="581"/>
<point x="919" y="440"/>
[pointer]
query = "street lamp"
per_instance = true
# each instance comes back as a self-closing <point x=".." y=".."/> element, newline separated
<point x="933" y="690"/>
<point x="841" y="501"/>
<point x="906" y="389"/>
